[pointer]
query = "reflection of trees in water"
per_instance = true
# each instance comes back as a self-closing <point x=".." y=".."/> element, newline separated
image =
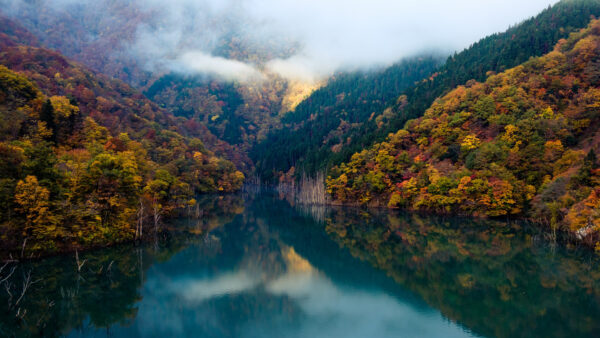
<point x="265" y="252"/>
<point x="495" y="278"/>
<point x="105" y="290"/>
<point x="101" y="294"/>
<point x="229" y="291"/>
<point x="317" y="212"/>
<point x="209" y="212"/>
<point x="264" y="259"/>
<point x="487" y="275"/>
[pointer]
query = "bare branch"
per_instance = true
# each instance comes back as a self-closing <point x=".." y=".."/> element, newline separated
<point x="20" y="314"/>
<point x="4" y="266"/>
<point x="27" y="283"/>
<point x="23" y="247"/>
<point x="109" y="266"/>
<point x="79" y="265"/>
<point x="10" y="274"/>
<point x="8" y="286"/>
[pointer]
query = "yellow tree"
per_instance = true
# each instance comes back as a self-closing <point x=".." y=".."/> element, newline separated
<point x="32" y="201"/>
<point x="65" y="115"/>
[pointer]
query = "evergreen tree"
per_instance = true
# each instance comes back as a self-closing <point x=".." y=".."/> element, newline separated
<point x="47" y="116"/>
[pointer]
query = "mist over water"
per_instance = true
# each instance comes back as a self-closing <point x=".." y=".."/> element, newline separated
<point x="304" y="40"/>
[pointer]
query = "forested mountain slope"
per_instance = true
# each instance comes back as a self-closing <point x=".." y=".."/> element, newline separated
<point x="310" y="152"/>
<point x="238" y="113"/>
<point x="93" y="33"/>
<point x="317" y="132"/>
<point x="107" y="36"/>
<point x="107" y="99"/>
<point x="521" y="143"/>
<point x="86" y="160"/>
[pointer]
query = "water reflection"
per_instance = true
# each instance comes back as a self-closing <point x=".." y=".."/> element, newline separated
<point x="499" y="279"/>
<point x="254" y="266"/>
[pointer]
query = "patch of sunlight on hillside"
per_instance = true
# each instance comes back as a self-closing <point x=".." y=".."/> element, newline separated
<point x="296" y="92"/>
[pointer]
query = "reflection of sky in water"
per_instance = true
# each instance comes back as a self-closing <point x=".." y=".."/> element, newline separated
<point x="342" y="312"/>
<point x="269" y="270"/>
<point x="249" y="302"/>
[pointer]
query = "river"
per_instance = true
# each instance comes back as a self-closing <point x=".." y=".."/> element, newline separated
<point x="255" y="265"/>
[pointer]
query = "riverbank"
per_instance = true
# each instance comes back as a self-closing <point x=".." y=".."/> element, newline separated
<point x="206" y="208"/>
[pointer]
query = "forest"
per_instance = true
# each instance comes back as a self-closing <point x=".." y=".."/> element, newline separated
<point x="87" y="161"/>
<point x="521" y="143"/>
<point x="265" y="168"/>
<point x="335" y="134"/>
<point x="315" y="133"/>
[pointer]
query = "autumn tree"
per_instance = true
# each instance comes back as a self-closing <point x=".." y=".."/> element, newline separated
<point x="32" y="201"/>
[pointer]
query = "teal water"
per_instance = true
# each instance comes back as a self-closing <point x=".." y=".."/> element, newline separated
<point x="256" y="266"/>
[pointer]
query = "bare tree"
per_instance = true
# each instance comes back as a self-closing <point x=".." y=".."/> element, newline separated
<point x="8" y="288"/>
<point x="312" y="190"/>
<point x="140" y="221"/>
<point x="23" y="247"/>
<point x="157" y="215"/>
<point x="27" y="283"/>
<point x="79" y="264"/>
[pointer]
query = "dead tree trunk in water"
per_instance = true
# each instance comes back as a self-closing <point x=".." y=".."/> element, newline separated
<point x="197" y="210"/>
<point x="140" y="222"/>
<point x="312" y="190"/>
<point x="79" y="264"/>
<point x="156" y="215"/>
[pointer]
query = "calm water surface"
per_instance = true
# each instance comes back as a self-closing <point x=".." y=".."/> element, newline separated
<point x="256" y="266"/>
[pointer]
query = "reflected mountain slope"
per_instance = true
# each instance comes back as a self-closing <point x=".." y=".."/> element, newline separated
<point x="256" y="266"/>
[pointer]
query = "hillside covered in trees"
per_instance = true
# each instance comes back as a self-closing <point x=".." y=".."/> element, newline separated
<point x="318" y="130"/>
<point x="240" y="114"/>
<point x="231" y="115"/>
<point x="312" y="141"/>
<point x="200" y="130"/>
<point x="86" y="160"/>
<point x="265" y="168"/>
<point x="522" y="143"/>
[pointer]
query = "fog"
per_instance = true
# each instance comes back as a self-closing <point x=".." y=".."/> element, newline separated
<point x="306" y="39"/>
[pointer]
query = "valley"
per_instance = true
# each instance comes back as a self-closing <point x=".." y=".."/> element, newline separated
<point x="261" y="169"/>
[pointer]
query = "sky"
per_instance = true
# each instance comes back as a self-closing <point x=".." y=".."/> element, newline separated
<point x="324" y="35"/>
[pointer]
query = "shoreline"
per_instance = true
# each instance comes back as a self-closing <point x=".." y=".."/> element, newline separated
<point x="563" y="237"/>
<point x="589" y="240"/>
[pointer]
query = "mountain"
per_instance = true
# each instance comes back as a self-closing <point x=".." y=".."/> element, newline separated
<point x="95" y="33"/>
<point x="106" y="36"/>
<point x="309" y="151"/>
<point x="239" y="113"/>
<point x="317" y="132"/>
<point x="522" y="143"/>
<point x="86" y="160"/>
